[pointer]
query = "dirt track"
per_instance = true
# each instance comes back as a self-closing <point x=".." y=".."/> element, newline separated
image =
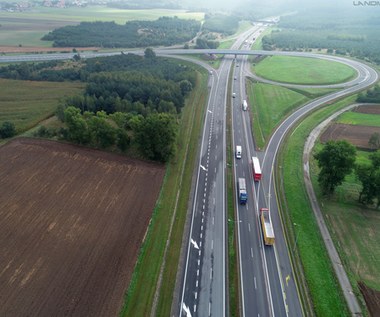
<point x="71" y="223"/>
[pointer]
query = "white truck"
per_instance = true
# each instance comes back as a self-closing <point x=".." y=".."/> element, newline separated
<point x="245" y="105"/>
<point x="238" y="151"/>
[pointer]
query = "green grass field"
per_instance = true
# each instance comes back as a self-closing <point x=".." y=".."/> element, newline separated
<point x="357" y="118"/>
<point x="270" y="104"/>
<point x="26" y="28"/>
<point x="26" y="103"/>
<point x="324" y="288"/>
<point x="302" y="70"/>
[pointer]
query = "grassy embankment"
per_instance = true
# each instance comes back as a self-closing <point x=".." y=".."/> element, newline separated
<point x="270" y="104"/>
<point x="353" y="225"/>
<point x="174" y="198"/>
<point x="302" y="70"/>
<point x="27" y="28"/>
<point x="304" y="235"/>
<point x="26" y="103"/>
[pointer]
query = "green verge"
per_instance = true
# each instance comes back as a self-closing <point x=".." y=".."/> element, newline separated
<point x="271" y="103"/>
<point x="140" y="295"/>
<point x="233" y="275"/>
<point x="303" y="70"/>
<point x="357" y="118"/>
<point x="26" y="103"/>
<point x="304" y="237"/>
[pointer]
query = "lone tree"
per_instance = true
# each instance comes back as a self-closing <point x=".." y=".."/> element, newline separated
<point x="374" y="141"/>
<point x="7" y="130"/>
<point x="336" y="160"/>
<point x="369" y="176"/>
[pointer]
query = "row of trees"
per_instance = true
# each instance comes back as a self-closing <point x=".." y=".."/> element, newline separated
<point x="164" y="31"/>
<point x="337" y="160"/>
<point x="154" y="135"/>
<point x="81" y="70"/>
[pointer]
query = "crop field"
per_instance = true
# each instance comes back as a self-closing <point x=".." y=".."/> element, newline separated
<point x="71" y="224"/>
<point x="302" y="70"/>
<point x="25" y="103"/>
<point x="358" y="135"/>
<point x="360" y="118"/>
<point x="27" y="28"/>
<point x="355" y="126"/>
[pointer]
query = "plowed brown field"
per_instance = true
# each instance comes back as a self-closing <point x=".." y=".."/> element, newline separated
<point x="374" y="109"/>
<point x="71" y="224"/>
<point x="356" y="134"/>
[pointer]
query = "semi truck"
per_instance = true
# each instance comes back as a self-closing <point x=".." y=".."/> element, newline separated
<point x="242" y="191"/>
<point x="245" y="105"/>
<point x="256" y="169"/>
<point x="266" y="224"/>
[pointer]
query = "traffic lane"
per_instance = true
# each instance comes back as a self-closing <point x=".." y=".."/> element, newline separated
<point x="253" y="277"/>
<point x="212" y="299"/>
<point x="197" y="253"/>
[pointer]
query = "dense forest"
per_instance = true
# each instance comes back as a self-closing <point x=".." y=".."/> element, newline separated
<point x="128" y="100"/>
<point x="164" y="31"/>
<point x="346" y="31"/>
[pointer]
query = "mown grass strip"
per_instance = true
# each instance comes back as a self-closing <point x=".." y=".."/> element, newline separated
<point x="324" y="289"/>
<point x="140" y="295"/>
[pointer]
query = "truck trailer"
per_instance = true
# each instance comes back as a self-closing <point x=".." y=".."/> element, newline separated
<point x="266" y="224"/>
<point x="242" y="191"/>
<point x="256" y="169"/>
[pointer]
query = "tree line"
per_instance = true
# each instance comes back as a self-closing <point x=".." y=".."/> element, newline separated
<point x="339" y="30"/>
<point x="128" y="101"/>
<point x="371" y="95"/>
<point x="163" y="31"/>
<point x="337" y="159"/>
<point x="154" y="135"/>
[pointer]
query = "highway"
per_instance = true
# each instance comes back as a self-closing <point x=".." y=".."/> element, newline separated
<point x="266" y="277"/>
<point x="204" y="281"/>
